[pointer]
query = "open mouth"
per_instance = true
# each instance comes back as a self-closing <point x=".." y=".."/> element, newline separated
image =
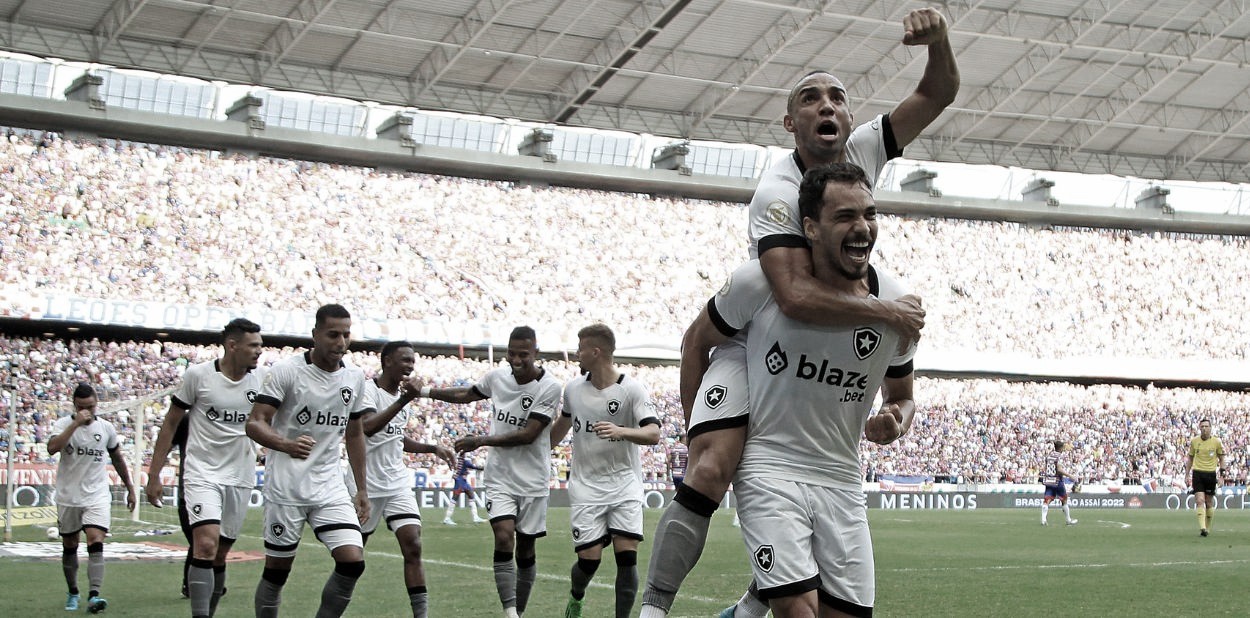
<point x="827" y="128"/>
<point x="857" y="251"/>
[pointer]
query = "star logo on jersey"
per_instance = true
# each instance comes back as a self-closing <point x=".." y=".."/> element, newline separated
<point x="614" y="406"/>
<point x="251" y="396"/>
<point x="779" y="212"/>
<point x="577" y="534"/>
<point x="196" y="509"/>
<point x="277" y="530"/>
<point x="488" y="505"/>
<point x="714" y="396"/>
<point x="764" y="558"/>
<point x="212" y="414"/>
<point x="526" y="402"/>
<point x="776" y="359"/>
<point x="577" y="425"/>
<point x="346" y="394"/>
<point x="304" y="416"/>
<point x="96" y="436"/>
<point x="866" y="341"/>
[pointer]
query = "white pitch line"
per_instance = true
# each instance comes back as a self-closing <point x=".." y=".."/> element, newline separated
<point x="1022" y="567"/>
<point x="1121" y="524"/>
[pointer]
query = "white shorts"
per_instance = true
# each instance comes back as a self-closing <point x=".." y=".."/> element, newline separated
<point x="71" y="520"/>
<point x="224" y="505"/>
<point x="802" y="537"/>
<point x="530" y="512"/>
<point x="596" y="524"/>
<point x="335" y="525"/>
<point x="399" y="510"/>
<point x="723" y="399"/>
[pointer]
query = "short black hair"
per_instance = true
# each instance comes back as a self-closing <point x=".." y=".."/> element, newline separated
<point x="237" y="327"/>
<point x="83" y="391"/>
<point x="391" y="346"/>
<point x="332" y="310"/>
<point x="523" y="332"/>
<point x="812" y="189"/>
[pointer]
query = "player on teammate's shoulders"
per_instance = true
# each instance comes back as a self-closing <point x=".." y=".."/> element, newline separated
<point x="82" y="491"/>
<point x="214" y="398"/>
<point x="799" y="486"/>
<point x="309" y="406"/>
<point x="611" y="414"/>
<point x="818" y="114"/>
<point x="524" y="401"/>
<point x="1053" y="474"/>
<point x="388" y="478"/>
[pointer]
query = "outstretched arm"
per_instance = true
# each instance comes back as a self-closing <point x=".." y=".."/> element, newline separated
<point x="940" y="82"/>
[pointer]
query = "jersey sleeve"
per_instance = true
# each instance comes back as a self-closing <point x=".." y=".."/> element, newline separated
<point x="273" y="390"/>
<point x="185" y="395"/>
<point x="367" y="401"/>
<point x="566" y="409"/>
<point x="740" y="299"/>
<point x="644" y="406"/>
<point x="872" y="145"/>
<point x="113" y="442"/>
<point x="60" y="425"/>
<point x="483" y="386"/>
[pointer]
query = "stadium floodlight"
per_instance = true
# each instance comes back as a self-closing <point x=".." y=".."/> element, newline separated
<point x="672" y="157"/>
<point x="1038" y="190"/>
<point x="921" y="181"/>
<point x="399" y="128"/>
<point x="86" y="88"/>
<point x="1155" y="197"/>
<point x="247" y="109"/>
<point x="538" y="144"/>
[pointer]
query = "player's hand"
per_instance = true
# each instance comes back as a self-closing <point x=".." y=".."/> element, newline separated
<point x="607" y="431"/>
<point x="154" y="491"/>
<point x="301" y="447"/>
<point x="83" y="417"/>
<point x="131" y="499"/>
<point x="907" y="320"/>
<point x="411" y="387"/>
<point x="447" y="456"/>
<point x="468" y="443"/>
<point x="361" y="500"/>
<point x="923" y="27"/>
<point x="886" y="425"/>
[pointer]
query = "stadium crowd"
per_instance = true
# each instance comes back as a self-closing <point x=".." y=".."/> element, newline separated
<point x="232" y="230"/>
<point x="966" y="430"/>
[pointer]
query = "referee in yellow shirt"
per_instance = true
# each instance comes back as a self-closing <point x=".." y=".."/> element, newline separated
<point x="1206" y="461"/>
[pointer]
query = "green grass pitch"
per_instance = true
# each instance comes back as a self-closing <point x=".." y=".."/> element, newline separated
<point x="988" y="562"/>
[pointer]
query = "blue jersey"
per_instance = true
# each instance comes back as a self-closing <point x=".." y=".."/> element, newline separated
<point x="1050" y="471"/>
<point x="463" y="469"/>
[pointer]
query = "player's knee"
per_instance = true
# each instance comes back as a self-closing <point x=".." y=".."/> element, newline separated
<point x="627" y="558"/>
<point x="412" y="550"/>
<point x="696" y="501"/>
<point x="588" y="566"/>
<point x="95" y="548"/>
<point x="350" y="570"/>
<point x="275" y="576"/>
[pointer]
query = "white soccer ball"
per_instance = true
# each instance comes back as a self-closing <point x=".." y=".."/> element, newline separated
<point x="53" y="533"/>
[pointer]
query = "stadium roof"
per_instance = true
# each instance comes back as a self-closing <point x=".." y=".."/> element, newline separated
<point x="1147" y="88"/>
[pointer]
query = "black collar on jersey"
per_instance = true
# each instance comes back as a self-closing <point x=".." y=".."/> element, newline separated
<point x="620" y="377"/>
<point x="217" y="367"/>
<point x="308" y="359"/>
<point x="874" y="284"/>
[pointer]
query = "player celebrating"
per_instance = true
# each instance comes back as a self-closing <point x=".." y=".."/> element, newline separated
<point x="461" y="487"/>
<point x="1053" y="474"/>
<point x="524" y="401"/>
<point x="1205" y="460"/>
<point x="388" y="478"/>
<point x="82" y="491"/>
<point x="309" y="405"/>
<point x="611" y="414"/>
<point x="818" y="114"/>
<point x="799" y="490"/>
<point x="219" y="466"/>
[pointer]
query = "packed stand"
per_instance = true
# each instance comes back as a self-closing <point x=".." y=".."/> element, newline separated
<point x="288" y="234"/>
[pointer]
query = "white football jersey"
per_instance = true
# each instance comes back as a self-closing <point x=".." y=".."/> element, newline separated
<point x="218" y="450"/>
<point x="81" y="474"/>
<point x="386" y="474"/>
<point x="519" y="470"/>
<point x="774" y="211"/>
<point x="316" y="403"/>
<point x="811" y="387"/>
<point x="606" y="471"/>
